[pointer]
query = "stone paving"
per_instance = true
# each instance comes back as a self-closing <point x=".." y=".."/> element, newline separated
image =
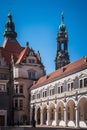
<point x="39" y="128"/>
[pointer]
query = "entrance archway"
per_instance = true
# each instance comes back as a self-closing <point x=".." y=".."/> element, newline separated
<point x="60" y="113"/>
<point x="70" y="109"/>
<point x="38" y="116"/>
<point x="51" y="113"/>
<point x="44" y="115"/>
<point x="82" y="107"/>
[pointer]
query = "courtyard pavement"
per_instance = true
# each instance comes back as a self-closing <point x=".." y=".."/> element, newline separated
<point x="39" y="128"/>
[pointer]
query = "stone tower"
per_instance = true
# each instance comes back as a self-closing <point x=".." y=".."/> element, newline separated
<point x="62" y="56"/>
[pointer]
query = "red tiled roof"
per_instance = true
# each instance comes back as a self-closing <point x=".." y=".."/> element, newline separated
<point x="12" y="46"/>
<point x="7" y="56"/>
<point x="9" y="48"/>
<point x="62" y="72"/>
<point x="22" y="54"/>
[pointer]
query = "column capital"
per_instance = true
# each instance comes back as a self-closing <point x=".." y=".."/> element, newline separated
<point x="55" y="110"/>
<point x="64" y="108"/>
<point x="76" y="107"/>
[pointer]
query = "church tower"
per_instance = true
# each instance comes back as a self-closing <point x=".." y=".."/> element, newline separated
<point x="62" y="56"/>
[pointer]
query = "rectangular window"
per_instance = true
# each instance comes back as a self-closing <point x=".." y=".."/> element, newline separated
<point x="31" y="75"/>
<point x="3" y="76"/>
<point x="71" y="86"/>
<point x="21" y="89"/>
<point x="16" y="104"/>
<point x="80" y="83"/>
<point x="21" y="104"/>
<point x="58" y="89"/>
<point x="51" y="91"/>
<point x="31" y="61"/>
<point x="33" y="97"/>
<point x="16" y="88"/>
<point x="85" y="82"/>
<point x="61" y="89"/>
<point x="2" y="88"/>
<point x="38" y="95"/>
<point x="45" y="93"/>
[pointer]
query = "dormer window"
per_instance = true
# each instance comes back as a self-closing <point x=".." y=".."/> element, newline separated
<point x="31" y="53"/>
<point x="31" y="61"/>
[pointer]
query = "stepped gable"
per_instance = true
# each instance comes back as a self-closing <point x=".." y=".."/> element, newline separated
<point x="62" y="72"/>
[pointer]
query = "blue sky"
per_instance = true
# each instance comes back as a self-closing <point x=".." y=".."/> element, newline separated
<point x="37" y="21"/>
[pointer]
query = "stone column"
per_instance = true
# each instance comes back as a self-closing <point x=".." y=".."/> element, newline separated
<point x="76" y="114"/>
<point x="36" y="115"/>
<point x="65" y="116"/>
<point x="41" y="117"/>
<point x="30" y="115"/>
<point x="56" y="117"/>
<point x="48" y="117"/>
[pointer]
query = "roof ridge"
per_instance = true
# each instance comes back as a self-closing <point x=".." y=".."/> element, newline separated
<point x="69" y="68"/>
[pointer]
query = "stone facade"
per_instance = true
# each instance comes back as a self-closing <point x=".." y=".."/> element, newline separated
<point x="62" y="99"/>
<point x="19" y="68"/>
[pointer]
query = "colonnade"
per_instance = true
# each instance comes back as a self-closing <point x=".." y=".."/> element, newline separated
<point x="71" y="113"/>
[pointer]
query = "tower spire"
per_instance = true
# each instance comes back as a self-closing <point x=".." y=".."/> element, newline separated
<point x="10" y="28"/>
<point x="62" y="17"/>
<point x="62" y="56"/>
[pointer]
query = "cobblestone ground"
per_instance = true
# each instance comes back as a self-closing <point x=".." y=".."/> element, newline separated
<point x="38" y="128"/>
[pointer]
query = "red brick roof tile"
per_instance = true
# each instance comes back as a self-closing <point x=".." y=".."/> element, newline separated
<point x="9" y="48"/>
<point x="12" y="46"/>
<point x="62" y="72"/>
<point x="22" y="54"/>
